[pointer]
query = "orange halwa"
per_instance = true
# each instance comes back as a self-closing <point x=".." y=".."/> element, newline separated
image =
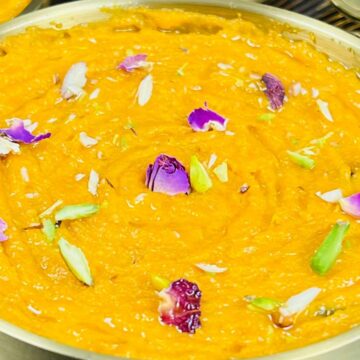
<point x="265" y="236"/>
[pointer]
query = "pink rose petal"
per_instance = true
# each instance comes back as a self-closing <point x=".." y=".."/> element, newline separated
<point x="351" y="205"/>
<point x="180" y="306"/>
<point x="275" y="90"/>
<point x="168" y="176"/>
<point x="18" y="133"/>
<point x="206" y="119"/>
<point x="133" y="62"/>
<point x="3" y="228"/>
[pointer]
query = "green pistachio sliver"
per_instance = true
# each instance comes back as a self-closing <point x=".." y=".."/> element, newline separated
<point x="268" y="117"/>
<point x="265" y="303"/>
<point x="123" y="143"/>
<point x="199" y="178"/>
<point x="329" y="250"/>
<point x="221" y="171"/>
<point x="73" y="212"/>
<point x="159" y="282"/>
<point x="180" y="71"/>
<point x="49" y="229"/>
<point x="301" y="160"/>
<point x="76" y="261"/>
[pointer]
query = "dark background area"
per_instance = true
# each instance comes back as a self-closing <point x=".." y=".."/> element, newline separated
<point x="53" y="2"/>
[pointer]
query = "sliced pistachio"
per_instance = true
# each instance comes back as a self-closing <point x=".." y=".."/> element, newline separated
<point x="199" y="178"/>
<point x="329" y="250"/>
<point x="265" y="303"/>
<point x="49" y="229"/>
<point x="301" y="160"/>
<point x="72" y="212"/>
<point x="221" y="171"/>
<point x="268" y="117"/>
<point x="76" y="261"/>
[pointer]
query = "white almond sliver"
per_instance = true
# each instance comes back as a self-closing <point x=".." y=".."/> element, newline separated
<point x="50" y="210"/>
<point x="211" y="268"/>
<point x="74" y="81"/>
<point x="324" y="108"/>
<point x="145" y="90"/>
<point x="79" y="177"/>
<point x="7" y="146"/>
<point x="332" y="196"/>
<point x="298" y="303"/>
<point x="315" y="92"/>
<point x="25" y="174"/>
<point x="223" y="66"/>
<point x="93" y="182"/>
<point x="212" y="160"/>
<point x="94" y="94"/>
<point x="86" y="140"/>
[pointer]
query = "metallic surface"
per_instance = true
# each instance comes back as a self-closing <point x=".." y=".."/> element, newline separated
<point x="18" y="344"/>
<point x="350" y="7"/>
<point x="324" y="10"/>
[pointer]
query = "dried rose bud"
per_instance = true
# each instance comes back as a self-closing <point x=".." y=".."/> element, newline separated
<point x="180" y="306"/>
<point x="167" y="176"/>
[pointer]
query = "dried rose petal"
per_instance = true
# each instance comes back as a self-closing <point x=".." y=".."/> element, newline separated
<point x="133" y="62"/>
<point x="180" y="306"/>
<point x="275" y="90"/>
<point x="18" y="133"/>
<point x="351" y="205"/>
<point x="3" y="228"/>
<point x="206" y="119"/>
<point x="168" y="176"/>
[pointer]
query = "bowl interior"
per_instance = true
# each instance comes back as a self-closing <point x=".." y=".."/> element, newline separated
<point x="338" y="44"/>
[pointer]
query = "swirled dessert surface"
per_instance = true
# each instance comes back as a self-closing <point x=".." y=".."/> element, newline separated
<point x="178" y="185"/>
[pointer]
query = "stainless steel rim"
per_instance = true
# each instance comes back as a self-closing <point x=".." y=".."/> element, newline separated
<point x="88" y="10"/>
<point x="349" y="7"/>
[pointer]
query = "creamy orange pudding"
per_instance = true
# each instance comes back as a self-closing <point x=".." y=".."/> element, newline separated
<point x="178" y="185"/>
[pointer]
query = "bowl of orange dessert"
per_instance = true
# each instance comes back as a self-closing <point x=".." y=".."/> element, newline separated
<point x="179" y="180"/>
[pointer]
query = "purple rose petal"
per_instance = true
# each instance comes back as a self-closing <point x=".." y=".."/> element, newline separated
<point x="3" y="228"/>
<point x="18" y="133"/>
<point x="181" y="306"/>
<point x="133" y="62"/>
<point x="275" y="90"/>
<point x="206" y="119"/>
<point x="351" y="205"/>
<point x="167" y="176"/>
